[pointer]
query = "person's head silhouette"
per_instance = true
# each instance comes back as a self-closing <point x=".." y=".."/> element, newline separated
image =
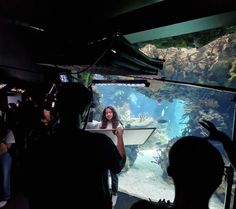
<point x="73" y="101"/>
<point x="197" y="168"/>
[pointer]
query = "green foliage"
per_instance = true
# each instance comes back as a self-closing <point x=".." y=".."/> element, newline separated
<point x="86" y="78"/>
<point x="219" y="70"/>
<point x="233" y="68"/>
<point x="197" y="39"/>
<point x="232" y="74"/>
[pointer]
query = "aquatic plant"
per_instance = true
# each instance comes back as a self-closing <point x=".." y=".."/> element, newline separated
<point x="162" y="158"/>
<point x="131" y="156"/>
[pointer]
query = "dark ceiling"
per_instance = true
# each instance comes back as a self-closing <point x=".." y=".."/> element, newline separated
<point x="79" y="32"/>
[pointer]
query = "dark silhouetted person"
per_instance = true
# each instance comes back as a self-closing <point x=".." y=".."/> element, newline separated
<point x="6" y="140"/>
<point x="69" y="169"/>
<point x="196" y="168"/>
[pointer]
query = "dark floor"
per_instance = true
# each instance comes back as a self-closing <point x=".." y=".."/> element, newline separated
<point x="18" y="201"/>
<point x="125" y="201"/>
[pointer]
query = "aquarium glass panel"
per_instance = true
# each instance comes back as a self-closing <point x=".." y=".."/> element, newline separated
<point x="174" y="111"/>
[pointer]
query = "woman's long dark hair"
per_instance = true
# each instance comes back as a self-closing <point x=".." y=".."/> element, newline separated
<point x="115" y="119"/>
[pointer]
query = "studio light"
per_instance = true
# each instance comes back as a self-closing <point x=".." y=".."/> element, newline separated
<point x="133" y="83"/>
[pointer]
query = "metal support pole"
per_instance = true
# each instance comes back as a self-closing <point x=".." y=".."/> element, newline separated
<point x="234" y="201"/>
<point x="230" y="170"/>
<point x="234" y="140"/>
<point x="230" y="177"/>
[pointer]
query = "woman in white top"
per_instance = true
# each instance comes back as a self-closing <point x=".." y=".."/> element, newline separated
<point x="110" y="120"/>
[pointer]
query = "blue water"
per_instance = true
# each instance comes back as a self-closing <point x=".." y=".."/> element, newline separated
<point x="172" y="112"/>
<point x="141" y="104"/>
<point x="176" y="125"/>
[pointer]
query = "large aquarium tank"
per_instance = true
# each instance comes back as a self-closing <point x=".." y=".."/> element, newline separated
<point x="207" y="60"/>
